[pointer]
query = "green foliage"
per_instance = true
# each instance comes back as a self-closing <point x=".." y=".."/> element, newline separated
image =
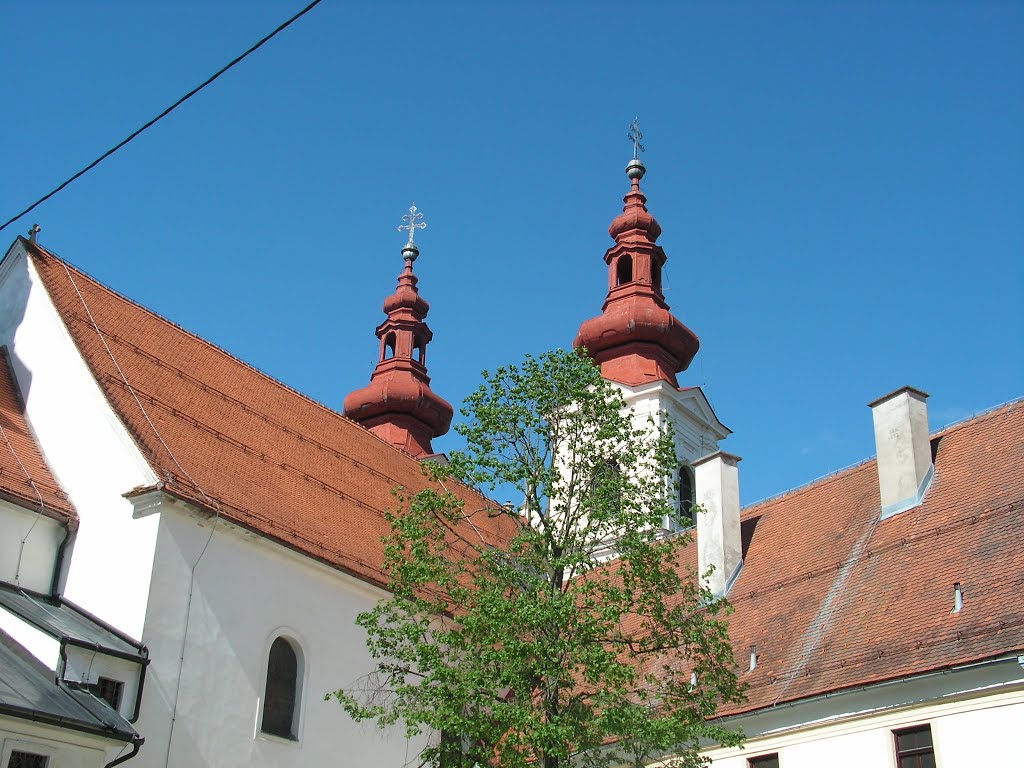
<point x="511" y="631"/>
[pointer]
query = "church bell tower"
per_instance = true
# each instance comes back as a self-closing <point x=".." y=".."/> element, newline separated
<point x="398" y="405"/>
<point x="640" y="345"/>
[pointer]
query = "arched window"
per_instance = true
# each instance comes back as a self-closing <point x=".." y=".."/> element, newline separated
<point x="389" y="346"/>
<point x="421" y="352"/>
<point x="606" y="486"/>
<point x="656" y="276"/>
<point x="281" y="696"/>
<point x="687" y="498"/>
<point x="624" y="270"/>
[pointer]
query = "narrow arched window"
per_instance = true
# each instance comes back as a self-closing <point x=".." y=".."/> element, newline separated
<point x="389" y="346"/>
<point x="624" y="270"/>
<point x="656" y="276"/>
<point x="606" y="487"/>
<point x="686" y="496"/>
<point x="421" y="352"/>
<point x="281" y="697"/>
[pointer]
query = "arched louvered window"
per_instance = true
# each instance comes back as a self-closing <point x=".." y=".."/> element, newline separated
<point x="624" y="269"/>
<point x="281" y="696"/>
<point x="687" y="498"/>
<point x="389" y="347"/>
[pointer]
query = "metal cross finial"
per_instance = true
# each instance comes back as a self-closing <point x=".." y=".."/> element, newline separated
<point x="634" y="135"/>
<point x="413" y="217"/>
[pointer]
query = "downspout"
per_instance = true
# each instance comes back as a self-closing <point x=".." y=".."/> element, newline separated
<point x="136" y="745"/>
<point x="138" y="692"/>
<point x="69" y="530"/>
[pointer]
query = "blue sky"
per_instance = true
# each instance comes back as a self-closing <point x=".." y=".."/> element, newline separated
<point x="841" y="188"/>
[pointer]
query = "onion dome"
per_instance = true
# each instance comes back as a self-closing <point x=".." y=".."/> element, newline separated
<point x="398" y="405"/>
<point x="636" y="339"/>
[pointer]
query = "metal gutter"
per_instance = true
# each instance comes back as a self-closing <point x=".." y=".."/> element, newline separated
<point x="64" y="722"/>
<point x="136" y="744"/>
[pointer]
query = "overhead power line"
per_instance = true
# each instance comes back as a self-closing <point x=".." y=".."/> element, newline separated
<point x="163" y="114"/>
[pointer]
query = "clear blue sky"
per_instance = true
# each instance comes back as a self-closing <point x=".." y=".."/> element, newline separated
<point x="841" y="188"/>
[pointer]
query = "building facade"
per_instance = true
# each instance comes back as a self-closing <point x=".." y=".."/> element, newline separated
<point x="209" y="536"/>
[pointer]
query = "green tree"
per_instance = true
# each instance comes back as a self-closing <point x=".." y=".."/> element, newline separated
<point x="511" y="631"/>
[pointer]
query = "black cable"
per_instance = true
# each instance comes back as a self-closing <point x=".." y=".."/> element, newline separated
<point x="163" y="114"/>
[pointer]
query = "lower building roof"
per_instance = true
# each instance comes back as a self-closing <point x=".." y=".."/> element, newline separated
<point x="67" y="622"/>
<point x="28" y="691"/>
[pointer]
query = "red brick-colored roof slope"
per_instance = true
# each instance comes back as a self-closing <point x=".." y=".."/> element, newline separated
<point x="231" y="439"/>
<point x="25" y="477"/>
<point x="833" y="597"/>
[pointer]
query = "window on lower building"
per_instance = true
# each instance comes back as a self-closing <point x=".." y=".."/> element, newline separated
<point x="109" y="690"/>
<point x="19" y="759"/>
<point x="914" y="747"/>
<point x="281" y="696"/>
<point x="764" y="761"/>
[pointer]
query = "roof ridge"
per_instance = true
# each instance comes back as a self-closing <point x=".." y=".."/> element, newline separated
<point x="977" y="416"/>
<point x="47" y="253"/>
<point x="985" y="414"/>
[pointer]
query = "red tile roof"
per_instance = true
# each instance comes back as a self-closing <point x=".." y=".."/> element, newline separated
<point x="25" y="477"/>
<point x="835" y="598"/>
<point x="832" y="597"/>
<point x="228" y="437"/>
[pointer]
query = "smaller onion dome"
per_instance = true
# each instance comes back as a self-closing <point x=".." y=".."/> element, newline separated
<point x="398" y="404"/>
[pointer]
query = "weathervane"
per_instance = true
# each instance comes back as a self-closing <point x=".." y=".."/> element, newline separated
<point x="634" y="135"/>
<point x="413" y="217"/>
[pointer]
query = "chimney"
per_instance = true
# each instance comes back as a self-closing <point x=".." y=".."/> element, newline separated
<point x="904" y="450"/>
<point x="718" y="527"/>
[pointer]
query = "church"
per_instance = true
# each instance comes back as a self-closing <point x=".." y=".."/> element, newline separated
<point x="185" y="542"/>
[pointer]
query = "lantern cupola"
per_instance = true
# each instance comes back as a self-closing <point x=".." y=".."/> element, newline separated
<point x="636" y="339"/>
<point x="398" y="405"/>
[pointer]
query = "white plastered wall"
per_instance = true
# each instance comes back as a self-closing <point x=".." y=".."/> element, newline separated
<point x="29" y="542"/>
<point x="697" y="431"/>
<point x="971" y="728"/>
<point x="87" y="447"/>
<point x="65" y="748"/>
<point x="247" y="590"/>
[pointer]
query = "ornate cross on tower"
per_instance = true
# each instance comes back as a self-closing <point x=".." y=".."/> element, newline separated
<point x="635" y="135"/>
<point x="414" y="219"/>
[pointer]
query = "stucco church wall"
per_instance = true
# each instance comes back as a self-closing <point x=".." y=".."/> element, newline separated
<point x="245" y="591"/>
<point x="29" y="543"/>
<point x="87" y="447"/>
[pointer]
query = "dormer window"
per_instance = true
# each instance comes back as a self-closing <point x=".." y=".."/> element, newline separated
<point x="109" y="690"/>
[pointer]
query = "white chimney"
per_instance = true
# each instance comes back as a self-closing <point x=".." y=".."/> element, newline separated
<point x="904" y="450"/>
<point x="718" y="526"/>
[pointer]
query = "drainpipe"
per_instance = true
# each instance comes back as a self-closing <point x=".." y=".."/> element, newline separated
<point x="136" y="745"/>
<point x="69" y="530"/>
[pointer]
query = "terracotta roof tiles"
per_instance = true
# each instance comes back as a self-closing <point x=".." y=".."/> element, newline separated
<point x="229" y="438"/>
<point x="25" y="477"/>
<point x="833" y="597"/>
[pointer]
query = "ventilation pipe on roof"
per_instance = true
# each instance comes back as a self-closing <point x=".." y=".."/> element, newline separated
<point x="717" y="479"/>
<point x="904" y="450"/>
